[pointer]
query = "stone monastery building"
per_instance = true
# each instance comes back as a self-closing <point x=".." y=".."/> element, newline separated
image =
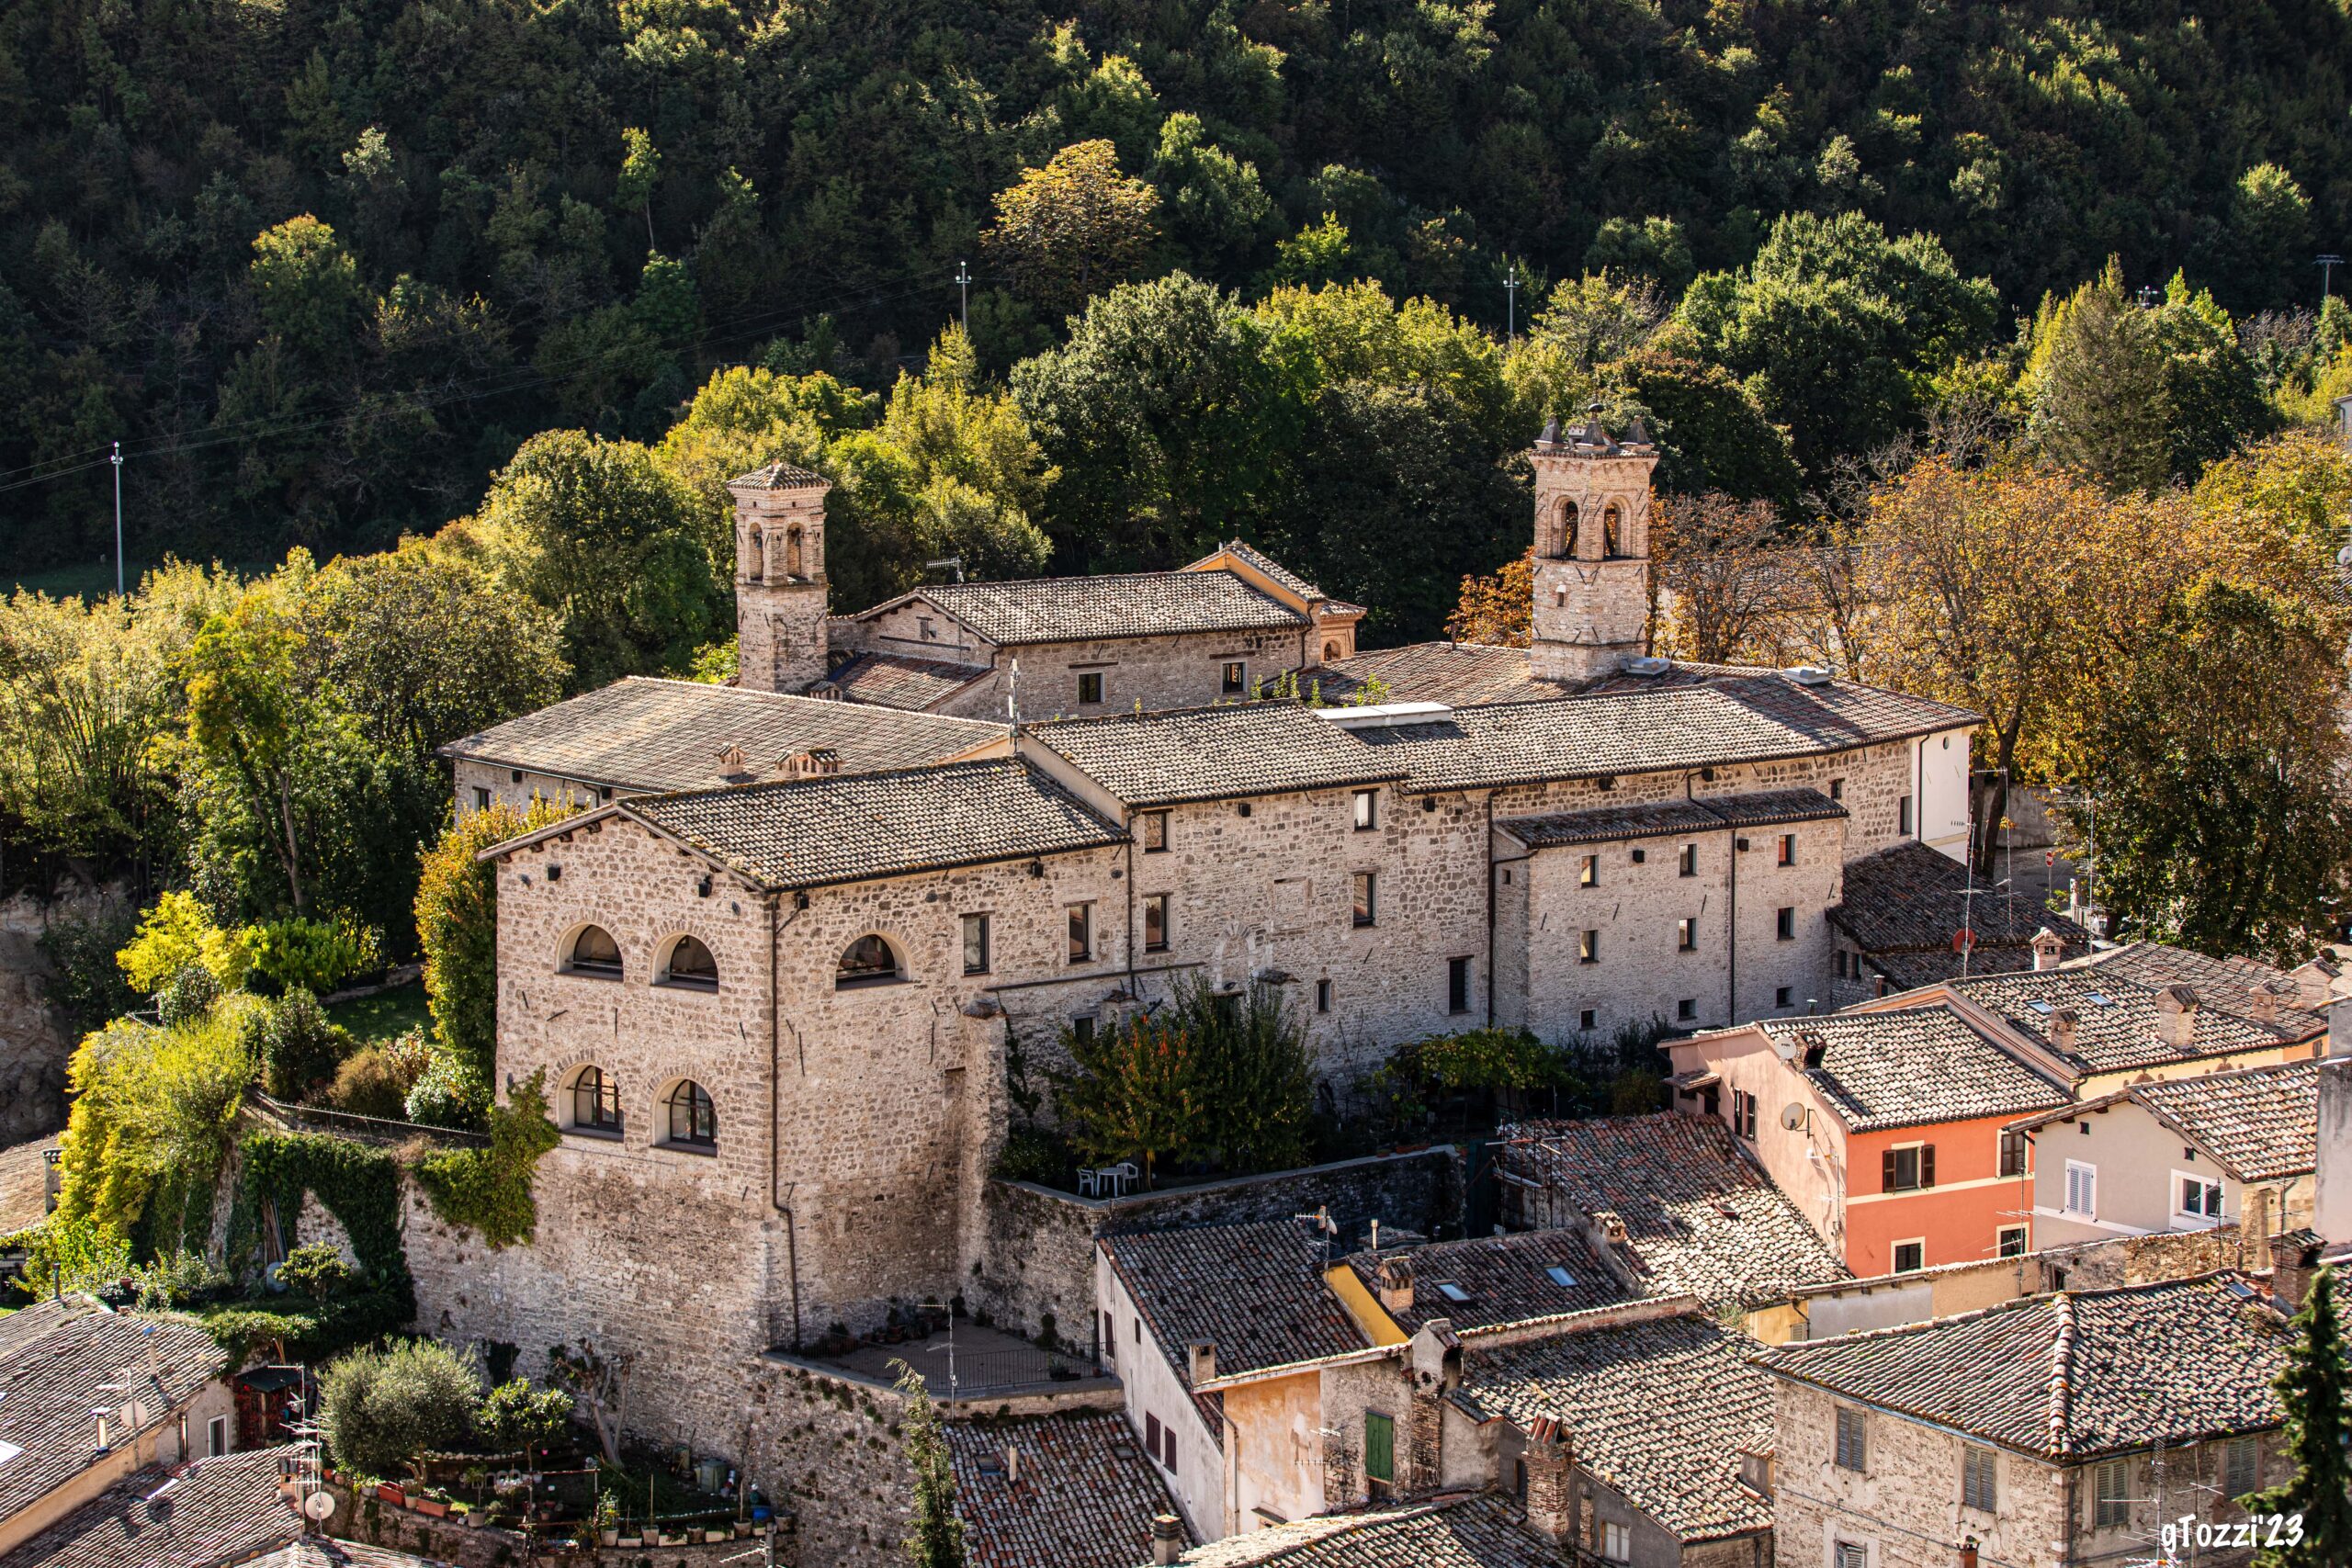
<point x="771" y="974"/>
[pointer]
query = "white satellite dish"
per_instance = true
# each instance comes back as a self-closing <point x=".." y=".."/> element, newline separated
<point x="1793" y="1116"/>
<point x="319" y="1506"/>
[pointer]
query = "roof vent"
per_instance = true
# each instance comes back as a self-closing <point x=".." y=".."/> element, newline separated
<point x="1808" y="674"/>
<point x="1385" y="715"/>
<point x="1648" y="664"/>
<point x="817" y="762"/>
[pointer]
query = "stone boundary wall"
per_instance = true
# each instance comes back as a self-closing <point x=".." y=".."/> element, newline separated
<point x="1037" y="1245"/>
<point x="378" y="1523"/>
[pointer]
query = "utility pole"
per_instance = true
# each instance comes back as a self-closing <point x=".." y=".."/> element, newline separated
<point x="117" y="520"/>
<point x="2327" y="266"/>
<point x="964" y="296"/>
<point x="1510" y="316"/>
<point x="2148" y="296"/>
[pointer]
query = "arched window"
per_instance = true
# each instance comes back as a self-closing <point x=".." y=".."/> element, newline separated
<point x="792" y="565"/>
<point x="869" y="959"/>
<point x="1564" y="533"/>
<point x="759" y="556"/>
<point x="1612" y="532"/>
<point x="596" y="1101"/>
<point x="594" y="954"/>
<point x="690" y="965"/>
<point x="692" y="1118"/>
<point x="1331" y="652"/>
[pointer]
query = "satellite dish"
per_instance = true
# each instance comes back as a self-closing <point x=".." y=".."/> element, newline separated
<point x="1793" y="1116"/>
<point x="319" y="1506"/>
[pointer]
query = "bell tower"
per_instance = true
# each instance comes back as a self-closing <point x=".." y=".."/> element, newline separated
<point x="780" y="588"/>
<point x="1592" y="548"/>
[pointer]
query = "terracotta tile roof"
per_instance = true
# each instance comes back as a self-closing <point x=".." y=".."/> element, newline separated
<point x="218" y="1511"/>
<point x="2114" y="995"/>
<point x="1463" y="674"/>
<point x="1078" y="609"/>
<point x="1913" y="898"/>
<point x="2261" y="1124"/>
<point x="2071" y="1375"/>
<point x="316" y="1553"/>
<point x="1255" y="1291"/>
<point x="1928" y="967"/>
<point x="778" y="476"/>
<point x="1661" y="1411"/>
<point x="1761" y="809"/>
<point x="645" y="734"/>
<point x="56" y="1359"/>
<point x="1506" y="1277"/>
<point x="897" y="680"/>
<point x="853" y="828"/>
<point x="1699" y="1214"/>
<point x="1476" y="1529"/>
<point x="1215" y="754"/>
<point x="1755" y="718"/>
<point x="1085" y="1497"/>
<point x="1910" y="1067"/>
<point x="1263" y="563"/>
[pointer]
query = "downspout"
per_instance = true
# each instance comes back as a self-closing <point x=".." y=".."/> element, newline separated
<point x="775" y="1112"/>
<point x="1128" y="822"/>
<point x="1920" y="795"/>
<point x="1731" y="928"/>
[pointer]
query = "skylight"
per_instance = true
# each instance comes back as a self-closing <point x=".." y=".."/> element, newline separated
<point x="2041" y="1007"/>
<point x="8" y="1451"/>
<point x="1452" y="1291"/>
<point x="1561" y="1277"/>
<point x="2097" y="1000"/>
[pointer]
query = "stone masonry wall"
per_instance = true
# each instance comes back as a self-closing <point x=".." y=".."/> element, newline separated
<point x="1181" y="671"/>
<point x="35" y="1038"/>
<point x="519" y="787"/>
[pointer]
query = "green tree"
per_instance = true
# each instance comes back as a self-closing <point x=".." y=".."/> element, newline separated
<point x="936" y="1538"/>
<point x="2316" y="1393"/>
<point x="1711" y="437"/>
<point x="633" y="187"/>
<point x="296" y="1044"/>
<point x="2221" y="823"/>
<point x="317" y="1270"/>
<point x="457" y="929"/>
<point x="1216" y="209"/>
<point x="85" y="691"/>
<point x="379" y="1410"/>
<point x="1072" y="227"/>
<point x="308" y="285"/>
<point x="64" y="1254"/>
<point x="517" y="1416"/>
<point x="1835" y="326"/>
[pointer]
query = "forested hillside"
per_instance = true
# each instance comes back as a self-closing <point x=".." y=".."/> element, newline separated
<point x="323" y="268"/>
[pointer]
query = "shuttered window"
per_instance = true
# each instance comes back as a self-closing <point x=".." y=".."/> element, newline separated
<point x="1379" y="1449"/>
<point x="2241" y="1467"/>
<point x="1907" y="1168"/>
<point x="1850" y="1450"/>
<point x="1979" y="1487"/>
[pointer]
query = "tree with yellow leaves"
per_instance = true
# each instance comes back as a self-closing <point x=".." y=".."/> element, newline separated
<point x="1074" y="227"/>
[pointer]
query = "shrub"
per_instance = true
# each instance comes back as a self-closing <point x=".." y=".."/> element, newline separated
<point x="370" y="1084"/>
<point x="380" y="1409"/>
<point x="517" y="1416"/>
<point x="446" y="1096"/>
<point x="314" y="955"/>
<point x="153" y="1111"/>
<point x="489" y="1191"/>
<point x="84" y="979"/>
<point x="457" y="927"/>
<point x="178" y="1279"/>
<point x="186" y="996"/>
<point x="297" y="1045"/>
<point x="1032" y="1154"/>
<point x="65" y="1254"/>
<point x="317" y="1270"/>
<point x="177" y="934"/>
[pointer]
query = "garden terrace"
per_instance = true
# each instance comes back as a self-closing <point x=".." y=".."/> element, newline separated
<point x="984" y="1362"/>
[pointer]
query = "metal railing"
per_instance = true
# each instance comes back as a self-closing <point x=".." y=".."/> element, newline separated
<point x="967" y="1373"/>
<point x="373" y="1129"/>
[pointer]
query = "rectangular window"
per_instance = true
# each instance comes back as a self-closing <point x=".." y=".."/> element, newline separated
<point x="1979" y="1486"/>
<point x="1588" y="947"/>
<point x="1155" y="832"/>
<point x="975" y="945"/>
<point x="1155" y="923"/>
<point x="1852" y="1452"/>
<point x="1089" y="687"/>
<point x="1908" y="1169"/>
<point x="1686" y="935"/>
<point x="1168" y="1442"/>
<point x="1110" y="1338"/>
<point x="1785" y="925"/>
<point x="1910" y="1256"/>
<point x="1236" y="678"/>
<point x="1903" y="816"/>
<point x="2009" y="1241"/>
<point x="1588" y="1021"/>
<point x="216" y="1437"/>
<point x="924" y="629"/>
<point x="1151" y="1434"/>
<point x="1364" y="910"/>
<point x="1588" y="872"/>
<point x="1787" y="849"/>
<point x="1322" y="996"/>
<point x="1836" y="789"/>
<point x="1616" y="1542"/>
<point x="1686" y="1009"/>
<point x="1379" y="1449"/>
<point x="1457" y="985"/>
<point x="2113" y="1484"/>
<point x="1688" y="863"/>
<point x="1780" y="995"/>
<point x="1082" y="1028"/>
<point x="1743" y="1114"/>
<point x="2012" y="1153"/>
<point x="1367" y="810"/>
<point x="2241" y="1467"/>
<point x="482" y="799"/>
<point x="2199" y="1199"/>
<point x="1081" y="933"/>
<point x="1849" y="1555"/>
<point x="2082" y="1189"/>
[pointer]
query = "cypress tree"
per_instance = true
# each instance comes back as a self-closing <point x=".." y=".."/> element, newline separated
<point x="2312" y="1389"/>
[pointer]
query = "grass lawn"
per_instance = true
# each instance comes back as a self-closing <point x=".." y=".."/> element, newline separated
<point x="385" y="1014"/>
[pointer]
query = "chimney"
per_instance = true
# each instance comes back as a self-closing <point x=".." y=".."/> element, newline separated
<point x="2177" y="1016"/>
<point x="1551" y="1498"/>
<point x="2063" y="1022"/>
<point x="2262" y="1002"/>
<point x="2291" y="1268"/>
<point x="817" y="762"/>
<point x="2331" y="1182"/>
<point x="1201" y="1356"/>
<point x="2339" y="1028"/>
<point x="730" y="766"/>
<point x="1167" y="1539"/>
<point x="2254" y="1226"/>
<point x="1395" y="1284"/>
<point x="2048" y="947"/>
<point x="2314" y="984"/>
<point x="1612" y="1228"/>
<point x="1013" y="1464"/>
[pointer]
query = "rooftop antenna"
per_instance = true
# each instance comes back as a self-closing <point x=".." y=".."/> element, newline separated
<point x="945" y="563"/>
<point x="1321" y="1220"/>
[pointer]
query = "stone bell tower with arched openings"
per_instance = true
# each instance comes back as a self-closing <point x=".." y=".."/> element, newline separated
<point x="1592" y="548"/>
<point x="780" y="588"/>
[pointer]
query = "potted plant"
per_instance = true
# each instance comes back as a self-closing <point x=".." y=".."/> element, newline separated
<point x="392" y="1492"/>
<point x="432" y="1508"/>
<point x="714" y="1534"/>
<point x="608" y="1519"/>
<point x="470" y="1517"/>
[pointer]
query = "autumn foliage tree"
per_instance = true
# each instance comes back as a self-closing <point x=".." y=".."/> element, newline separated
<point x="1499" y="608"/>
<point x="1074" y="227"/>
<point x="1721" y="577"/>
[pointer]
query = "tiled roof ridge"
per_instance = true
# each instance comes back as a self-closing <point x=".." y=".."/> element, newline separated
<point x="922" y="770"/>
<point x="1133" y="716"/>
<point x="757" y="691"/>
<point x="2062" y="1375"/>
<point x="1369" y="1516"/>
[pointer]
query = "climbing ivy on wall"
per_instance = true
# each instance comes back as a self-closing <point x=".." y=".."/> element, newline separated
<point x="360" y="1185"/>
<point x="489" y="1191"/>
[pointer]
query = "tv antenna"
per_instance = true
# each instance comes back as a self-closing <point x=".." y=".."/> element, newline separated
<point x="946" y="563"/>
